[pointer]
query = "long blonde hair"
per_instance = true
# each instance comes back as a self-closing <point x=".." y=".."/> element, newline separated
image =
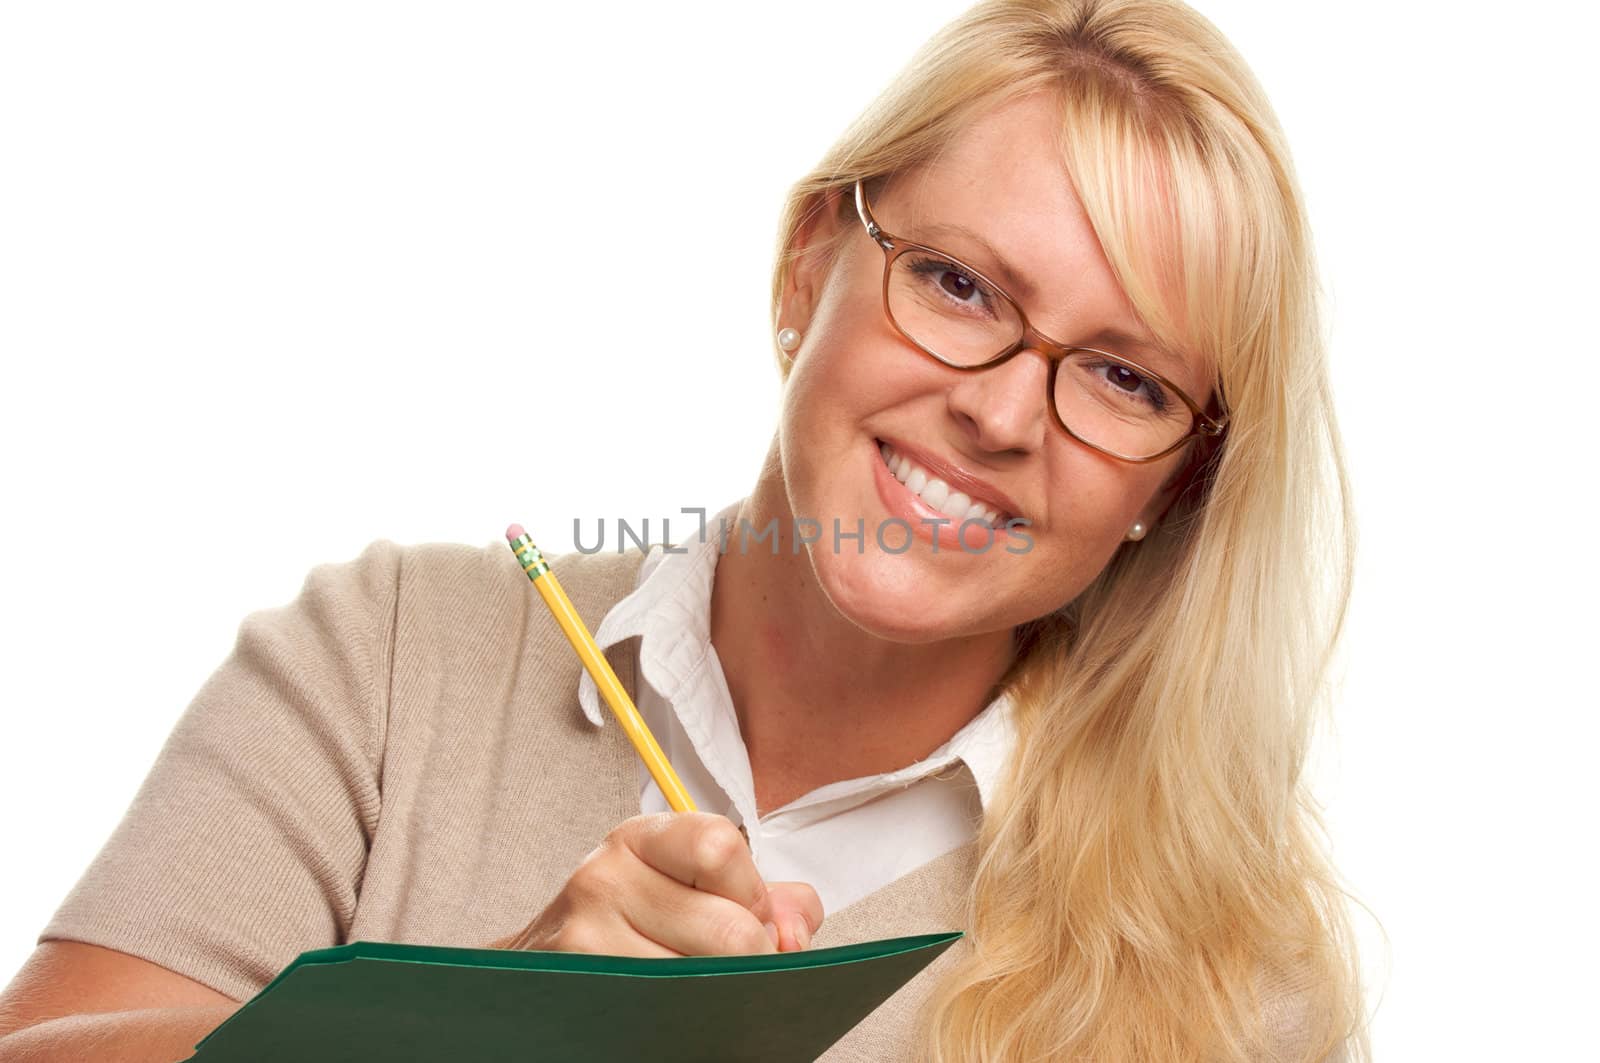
<point x="1152" y="883"/>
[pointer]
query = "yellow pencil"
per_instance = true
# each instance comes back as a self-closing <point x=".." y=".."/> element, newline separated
<point x="538" y="570"/>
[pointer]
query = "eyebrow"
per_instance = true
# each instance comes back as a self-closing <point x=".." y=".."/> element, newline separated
<point x="1014" y="280"/>
<point x="1144" y="350"/>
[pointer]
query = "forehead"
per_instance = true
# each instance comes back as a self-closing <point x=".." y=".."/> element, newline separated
<point x="998" y="196"/>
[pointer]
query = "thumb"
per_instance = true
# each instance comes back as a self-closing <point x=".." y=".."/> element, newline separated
<point x="796" y="910"/>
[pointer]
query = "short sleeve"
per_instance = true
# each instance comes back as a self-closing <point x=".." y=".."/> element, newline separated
<point x="246" y="843"/>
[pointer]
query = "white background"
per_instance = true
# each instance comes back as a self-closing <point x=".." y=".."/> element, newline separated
<point x="277" y="280"/>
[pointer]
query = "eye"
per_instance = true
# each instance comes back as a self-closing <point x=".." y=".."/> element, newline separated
<point x="1125" y="378"/>
<point x="1128" y="384"/>
<point x="957" y="284"/>
<point x="952" y="284"/>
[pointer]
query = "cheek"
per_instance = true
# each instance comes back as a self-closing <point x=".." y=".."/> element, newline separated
<point x="850" y="364"/>
<point x="1094" y="499"/>
<point x="848" y="324"/>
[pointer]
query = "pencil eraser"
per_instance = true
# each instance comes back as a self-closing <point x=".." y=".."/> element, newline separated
<point x="514" y="533"/>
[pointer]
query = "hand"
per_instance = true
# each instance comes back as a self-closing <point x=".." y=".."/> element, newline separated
<point x="673" y="884"/>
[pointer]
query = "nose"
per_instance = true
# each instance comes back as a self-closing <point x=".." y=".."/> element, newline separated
<point x="1005" y="406"/>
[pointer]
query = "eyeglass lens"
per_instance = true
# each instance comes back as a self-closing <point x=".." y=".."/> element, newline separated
<point x="963" y="321"/>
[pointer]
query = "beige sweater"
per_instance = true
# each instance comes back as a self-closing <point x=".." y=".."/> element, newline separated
<point x="399" y="755"/>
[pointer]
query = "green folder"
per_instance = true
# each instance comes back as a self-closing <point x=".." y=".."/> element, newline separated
<point x="376" y="1001"/>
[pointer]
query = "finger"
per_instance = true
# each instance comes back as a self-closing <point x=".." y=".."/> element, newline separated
<point x="615" y="938"/>
<point x="693" y="922"/>
<point x="594" y="929"/>
<point x="796" y="910"/>
<point x="703" y="851"/>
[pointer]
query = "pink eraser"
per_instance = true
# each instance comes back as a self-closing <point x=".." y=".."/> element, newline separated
<point x="514" y="533"/>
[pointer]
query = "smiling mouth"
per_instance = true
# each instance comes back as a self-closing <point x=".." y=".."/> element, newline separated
<point x="934" y="492"/>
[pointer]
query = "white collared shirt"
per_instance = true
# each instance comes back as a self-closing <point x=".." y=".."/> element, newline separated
<point x="847" y="838"/>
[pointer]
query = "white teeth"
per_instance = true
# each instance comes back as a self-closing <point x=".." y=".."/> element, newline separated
<point x="956" y="505"/>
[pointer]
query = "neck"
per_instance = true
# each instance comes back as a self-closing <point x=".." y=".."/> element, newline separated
<point x="818" y="699"/>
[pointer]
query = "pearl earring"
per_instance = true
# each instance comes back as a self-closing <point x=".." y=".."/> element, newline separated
<point x="788" y="339"/>
<point x="1136" y="532"/>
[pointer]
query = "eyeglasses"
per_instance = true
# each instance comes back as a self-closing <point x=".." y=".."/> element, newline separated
<point x="964" y="320"/>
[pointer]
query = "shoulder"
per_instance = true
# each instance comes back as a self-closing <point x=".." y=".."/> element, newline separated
<point x="598" y="579"/>
<point x="429" y="584"/>
<point x="445" y="565"/>
<point x="400" y="583"/>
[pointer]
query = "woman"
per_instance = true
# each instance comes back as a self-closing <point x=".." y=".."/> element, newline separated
<point x="1056" y="288"/>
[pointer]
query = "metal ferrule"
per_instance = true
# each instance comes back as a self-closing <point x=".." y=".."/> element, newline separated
<point x="529" y="557"/>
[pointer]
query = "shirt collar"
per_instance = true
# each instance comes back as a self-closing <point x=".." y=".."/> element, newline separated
<point x="670" y="608"/>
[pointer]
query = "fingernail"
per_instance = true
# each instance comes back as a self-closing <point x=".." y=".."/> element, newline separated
<point x="801" y="933"/>
<point x="772" y="932"/>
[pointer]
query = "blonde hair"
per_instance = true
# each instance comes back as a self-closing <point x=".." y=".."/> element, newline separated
<point x="1151" y="881"/>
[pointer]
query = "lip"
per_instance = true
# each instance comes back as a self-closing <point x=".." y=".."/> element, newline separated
<point x="927" y="523"/>
<point x="958" y="479"/>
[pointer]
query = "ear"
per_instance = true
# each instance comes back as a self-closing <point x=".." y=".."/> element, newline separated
<point x="809" y="273"/>
<point x="1194" y="457"/>
<point x="1153" y="510"/>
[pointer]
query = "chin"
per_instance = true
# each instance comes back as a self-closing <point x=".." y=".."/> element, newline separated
<point x="884" y="596"/>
